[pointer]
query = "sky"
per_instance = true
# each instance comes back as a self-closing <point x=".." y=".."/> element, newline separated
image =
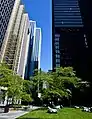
<point x="40" y="11"/>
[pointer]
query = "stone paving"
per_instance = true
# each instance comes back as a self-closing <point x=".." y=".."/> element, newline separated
<point x="15" y="114"/>
<point x="12" y="114"/>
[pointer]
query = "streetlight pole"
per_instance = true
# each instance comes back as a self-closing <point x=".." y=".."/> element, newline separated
<point x="38" y="84"/>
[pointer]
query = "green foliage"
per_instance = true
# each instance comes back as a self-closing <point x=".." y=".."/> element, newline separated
<point x="51" y="85"/>
<point x="26" y="97"/>
<point x="17" y="87"/>
<point x="5" y="75"/>
<point x="59" y="84"/>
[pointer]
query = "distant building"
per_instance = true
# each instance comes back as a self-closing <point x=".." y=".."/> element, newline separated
<point x="50" y="71"/>
<point x="37" y="47"/>
<point x="34" y="50"/>
<point x="23" y="53"/>
<point x="30" y="65"/>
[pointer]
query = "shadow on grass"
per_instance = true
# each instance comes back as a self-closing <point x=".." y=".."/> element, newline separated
<point x="34" y="118"/>
<point x="42" y="108"/>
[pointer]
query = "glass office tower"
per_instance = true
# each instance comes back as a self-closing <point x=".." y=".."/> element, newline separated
<point x="6" y="7"/>
<point x="34" y="52"/>
<point x="30" y="64"/>
<point x="86" y="8"/>
<point x="68" y="38"/>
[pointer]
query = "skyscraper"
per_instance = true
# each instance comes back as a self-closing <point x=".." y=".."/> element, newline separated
<point x="6" y="7"/>
<point x="21" y="45"/>
<point x="16" y="40"/>
<point x="30" y="64"/>
<point x="34" y="50"/>
<point x="85" y="8"/>
<point x="68" y="37"/>
<point x="7" y="49"/>
<point x="23" y="53"/>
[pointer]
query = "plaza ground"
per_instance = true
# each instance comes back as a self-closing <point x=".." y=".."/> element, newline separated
<point x="65" y="113"/>
<point x="12" y="114"/>
<point x="16" y="113"/>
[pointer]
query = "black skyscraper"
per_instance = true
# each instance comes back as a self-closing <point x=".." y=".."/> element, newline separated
<point x="68" y="36"/>
<point x="86" y="8"/>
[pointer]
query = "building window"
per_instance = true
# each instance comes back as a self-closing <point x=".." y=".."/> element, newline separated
<point x="57" y="56"/>
<point x="57" y="51"/>
<point x="57" y="35"/>
<point x="56" y="39"/>
<point x="57" y="65"/>
<point x="86" y="44"/>
<point x="56" y="43"/>
<point x="57" y="61"/>
<point x="57" y="47"/>
<point x="28" y="32"/>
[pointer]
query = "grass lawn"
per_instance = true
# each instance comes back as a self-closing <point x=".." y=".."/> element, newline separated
<point x="65" y="113"/>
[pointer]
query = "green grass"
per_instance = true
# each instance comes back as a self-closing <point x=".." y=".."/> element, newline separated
<point x="65" y="113"/>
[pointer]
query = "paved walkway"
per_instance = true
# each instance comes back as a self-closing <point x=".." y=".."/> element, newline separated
<point x="12" y="114"/>
<point x="15" y="114"/>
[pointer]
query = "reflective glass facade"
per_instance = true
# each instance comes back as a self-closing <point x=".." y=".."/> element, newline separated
<point x="67" y="13"/>
<point x="36" y="51"/>
<point x="86" y="8"/>
<point x="68" y="38"/>
<point x="30" y="63"/>
<point x="33" y="60"/>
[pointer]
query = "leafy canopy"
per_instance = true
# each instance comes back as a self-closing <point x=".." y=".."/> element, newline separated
<point x="17" y="88"/>
<point x="55" y="84"/>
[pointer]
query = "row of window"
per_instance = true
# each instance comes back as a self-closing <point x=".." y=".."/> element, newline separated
<point x="56" y="43"/>
<point x="63" y="58"/>
<point x="5" y="11"/>
<point x="57" y="56"/>
<point x="57" y="51"/>
<point x="70" y="19"/>
<point x="64" y="63"/>
<point x="68" y="25"/>
<point x="65" y="17"/>
<point x="77" y="13"/>
<point x="57" y="61"/>
<point x="57" y="65"/>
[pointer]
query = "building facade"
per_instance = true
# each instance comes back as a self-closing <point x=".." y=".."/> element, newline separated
<point x="86" y="7"/>
<point x="33" y="61"/>
<point x="68" y="36"/>
<point x="6" y="7"/>
<point x="21" y="45"/>
<point x="30" y="65"/>
<point x="37" y="46"/>
<point x="10" y="39"/>
<point x="16" y="40"/>
<point x="24" y="46"/>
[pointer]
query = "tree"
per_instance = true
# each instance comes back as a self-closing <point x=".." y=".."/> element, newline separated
<point x="59" y="84"/>
<point x="37" y="83"/>
<point x="17" y="88"/>
<point x="26" y="92"/>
